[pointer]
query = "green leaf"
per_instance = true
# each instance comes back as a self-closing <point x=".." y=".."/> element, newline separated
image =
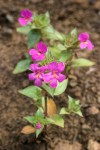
<point x="61" y="87"/>
<point x="39" y="113"/>
<point x="55" y="52"/>
<point x="74" y="106"/>
<point x="24" y="29"/>
<point x="22" y="66"/>
<point x="47" y="15"/>
<point x="79" y="113"/>
<point x="40" y="103"/>
<point x="64" y="111"/>
<point x="41" y="21"/>
<point x="65" y="55"/>
<point x="48" y="89"/>
<point x="52" y="34"/>
<point x="56" y="120"/>
<point x="81" y="62"/>
<point x="61" y="47"/>
<point x="38" y="132"/>
<point x="33" y="92"/>
<point x="30" y="119"/>
<point x="33" y="37"/>
<point x="74" y="32"/>
<point x="71" y="103"/>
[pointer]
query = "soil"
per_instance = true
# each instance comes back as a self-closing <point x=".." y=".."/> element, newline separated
<point x="85" y="83"/>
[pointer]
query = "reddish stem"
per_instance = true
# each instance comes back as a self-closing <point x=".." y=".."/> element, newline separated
<point x="46" y="146"/>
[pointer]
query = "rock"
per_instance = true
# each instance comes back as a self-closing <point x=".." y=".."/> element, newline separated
<point x="86" y="127"/>
<point x="4" y="136"/>
<point x="10" y="18"/>
<point x="78" y="93"/>
<point x="7" y="31"/>
<point x="93" y="145"/>
<point x="65" y="145"/>
<point x="92" y="110"/>
<point x="98" y="99"/>
<point x="73" y="83"/>
<point x="97" y="5"/>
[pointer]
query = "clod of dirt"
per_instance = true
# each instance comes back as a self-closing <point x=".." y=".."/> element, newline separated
<point x="93" y="145"/>
<point x="92" y="110"/>
<point x="65" y="145"/>
<point x="97" y="5"/>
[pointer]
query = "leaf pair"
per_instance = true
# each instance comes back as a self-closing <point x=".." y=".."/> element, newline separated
<point x="73" y="107"/>
<point x="61" y="87"/>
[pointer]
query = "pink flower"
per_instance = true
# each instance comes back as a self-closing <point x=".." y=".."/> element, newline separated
<point x="85" y="42"/>
<point x="38" y="126"/>
<point x="26" y="17"/>
<point x="37" y="75"/>
<point x="55" y="74"/>
<point x="38" y="54"/>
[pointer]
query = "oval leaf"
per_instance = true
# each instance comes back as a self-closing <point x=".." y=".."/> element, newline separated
<point x="51" y="107"/>
<point x="81" y="62"/>
<point x="28" y="130"/>
<point x="57" y="120"/>
<point x="65" y="55"/>
<point x="33" y="92"/>
<point x="61" y="87"/>
<point x="48" y="89"/>
<point x="33" y="37"/>
<point x="24" y="29"/>
<point x="22" y="66"/>
<point x="63" y="111"/>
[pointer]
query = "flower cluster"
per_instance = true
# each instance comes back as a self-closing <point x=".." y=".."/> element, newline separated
<point x="38" y="126"/>
<point x="51" y="73"/>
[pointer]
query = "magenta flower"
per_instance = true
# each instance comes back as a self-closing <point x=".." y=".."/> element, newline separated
<point x="26" y="17"/>
<point x="38" y="54"/>
<point x="85" y="42"/>
<point x="55" y="74"/>
<point x="38" y="126"/>
<point x="37" y="75"/>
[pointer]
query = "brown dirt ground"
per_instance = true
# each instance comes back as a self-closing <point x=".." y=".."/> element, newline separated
<point x="65" y="14"/>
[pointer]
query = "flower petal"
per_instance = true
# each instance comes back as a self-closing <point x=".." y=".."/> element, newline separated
<point x="83" y="45"/>
<point x="47" y="77"/>
<point x="53" y="83"/>
<point x="53" y="66"/>
<point x="34" y="67"/>
<point x="26" y="13"/>
<point x="61" y="77"/>
<point x="31" y="76"/>
<point x="61" y="66"/>
<point x="90" y="45"/>
<point x="22" y="21"/>
<point x="32" y="51"/>
<point x="83" y="37"/>
<point x="42" y="47"/>
<point x="40" y="56"/>
<point x="38" y="82"/>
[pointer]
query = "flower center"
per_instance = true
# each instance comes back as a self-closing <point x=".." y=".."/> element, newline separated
<point x="85" y="43"/>
<point x="38" y="74"/>
<point x="55" y="75"/>
<point x="38" y="53"/>
<point x="26" y="19"/>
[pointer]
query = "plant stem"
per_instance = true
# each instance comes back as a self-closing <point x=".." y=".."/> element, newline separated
<point x="46" y="146"/>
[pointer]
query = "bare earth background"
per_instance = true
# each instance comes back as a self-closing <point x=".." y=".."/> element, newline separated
<point x="79" y="133"/>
